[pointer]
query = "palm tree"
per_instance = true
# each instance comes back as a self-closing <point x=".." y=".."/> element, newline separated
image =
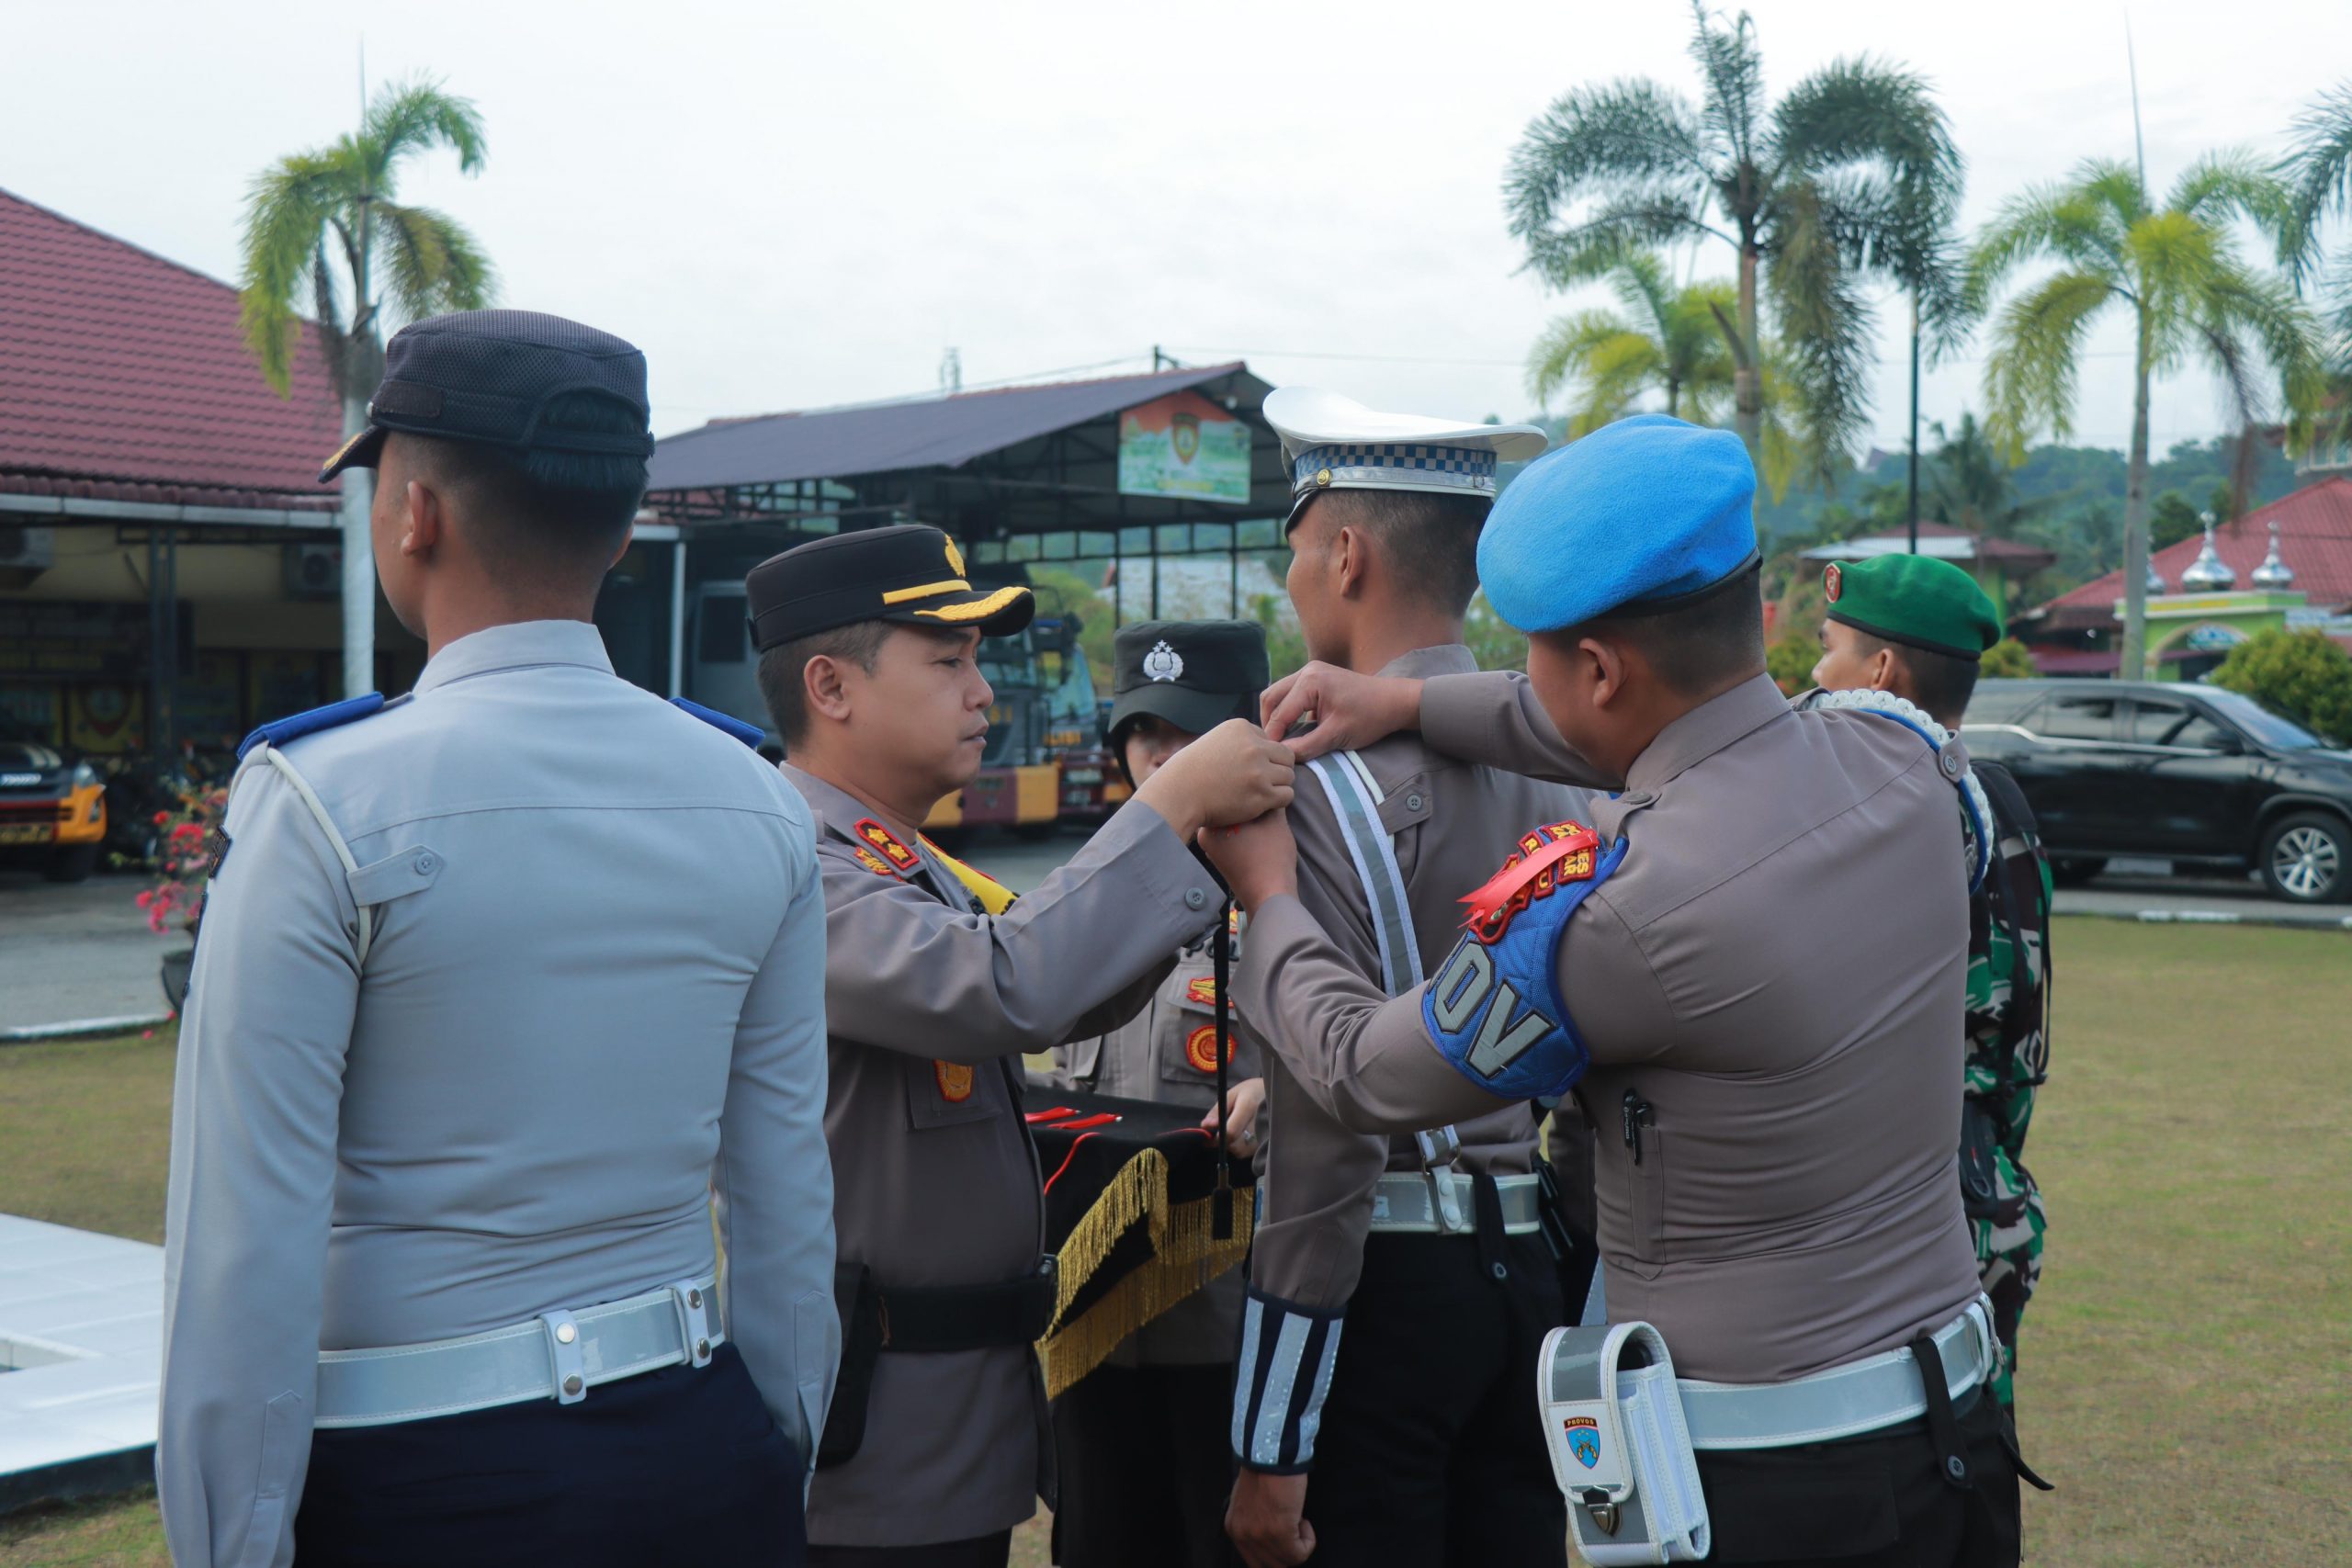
<point x="1667" y="341"/>
<point x="1852" y="175"/>
<point x="323" y="225"/>
<point x="2191" y="299"/>
<point x="1974" y="484"/>
<point x="2319" y="176"/>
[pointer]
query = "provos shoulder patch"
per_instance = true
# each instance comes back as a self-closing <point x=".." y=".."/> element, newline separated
<point x="1547" y="856"/>
<point x="871" y="861"/>
<point x="896" y="853"/>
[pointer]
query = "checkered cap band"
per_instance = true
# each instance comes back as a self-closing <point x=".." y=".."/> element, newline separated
<point x="1405" y="465"/>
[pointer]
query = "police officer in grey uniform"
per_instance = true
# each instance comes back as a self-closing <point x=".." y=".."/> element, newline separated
<point x="936" y="983"/>
<point x="1141" y="1437"/>
<point x="496" y="981"/>
<point x="1414" y="1263"/>
<point x="1774" y="1197"/>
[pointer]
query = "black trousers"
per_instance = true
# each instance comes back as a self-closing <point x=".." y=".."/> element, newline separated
<point x="977" y="1551"/>
<point x="680" y="1466"/>
<point x="1879" y="1501"/>
<point x="1432" y="1450"/>
<point x="1147" y="1467"/>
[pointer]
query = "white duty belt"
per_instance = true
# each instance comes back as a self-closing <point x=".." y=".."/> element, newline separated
<point x="1623" y="1439"/>
<point x="1441" y="1203"/>
<point x="557" y="1355"/>
<point x="1355" y="802"/>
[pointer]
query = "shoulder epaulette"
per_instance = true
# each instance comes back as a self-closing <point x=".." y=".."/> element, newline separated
<point x="348" y="711"/>
<point x="749" y="734"/>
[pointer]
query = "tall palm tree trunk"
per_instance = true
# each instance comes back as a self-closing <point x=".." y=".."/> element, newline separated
<point x="359" y="563"/>
<point x="1747" y="361"/>
<point x="2135" y="662"/>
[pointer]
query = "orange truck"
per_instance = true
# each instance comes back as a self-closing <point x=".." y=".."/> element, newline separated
<point x="52" y="807"/>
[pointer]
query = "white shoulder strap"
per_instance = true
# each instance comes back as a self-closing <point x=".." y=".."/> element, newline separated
<point x="310" y="798"/>
<point x="1355" y="802"/>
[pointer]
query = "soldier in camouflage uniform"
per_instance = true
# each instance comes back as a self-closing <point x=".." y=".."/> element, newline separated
<point x="1918" y="627"/>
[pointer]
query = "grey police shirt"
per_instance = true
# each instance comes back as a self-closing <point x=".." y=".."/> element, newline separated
<point x="1773" y="974"/>
<point x="594" y="988"/>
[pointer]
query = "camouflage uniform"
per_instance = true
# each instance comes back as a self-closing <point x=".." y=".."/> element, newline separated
<point x="2009" y="1055"/>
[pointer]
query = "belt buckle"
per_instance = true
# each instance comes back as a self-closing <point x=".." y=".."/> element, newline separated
<point x="692" y="1305"/>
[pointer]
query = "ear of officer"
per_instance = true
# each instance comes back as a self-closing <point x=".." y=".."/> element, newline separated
<point x="930" y="1001"/>
<point x="374" y="988"/>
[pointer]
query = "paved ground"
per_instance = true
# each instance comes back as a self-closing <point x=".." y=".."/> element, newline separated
<point x="75" y="950"/>
<point x="79" y="952"/>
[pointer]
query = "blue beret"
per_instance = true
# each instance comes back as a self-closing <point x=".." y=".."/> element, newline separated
<point x="1648" y="507"/>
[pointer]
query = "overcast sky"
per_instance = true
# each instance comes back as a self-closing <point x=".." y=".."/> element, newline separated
<point x="791" y="206"/>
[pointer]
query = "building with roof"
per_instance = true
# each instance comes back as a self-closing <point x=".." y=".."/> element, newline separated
<point x="1999" y="565"/>
<point x="168" y="563"/>
<point x="2287" y="564"/>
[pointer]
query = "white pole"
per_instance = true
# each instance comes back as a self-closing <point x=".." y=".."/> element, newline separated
<point x="678" y="616"/>
<point x="359" y="566"/>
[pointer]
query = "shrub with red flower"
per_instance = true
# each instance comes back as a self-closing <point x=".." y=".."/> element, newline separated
<point x="184" y="862"/>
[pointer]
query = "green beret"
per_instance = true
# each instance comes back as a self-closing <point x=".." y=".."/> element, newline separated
<point x="1915" y="600"/>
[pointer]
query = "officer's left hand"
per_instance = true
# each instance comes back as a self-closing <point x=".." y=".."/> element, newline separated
<point x="1242" y="1102"/>
<point x="1267" y="1519"/>
<point x="1257" y="859"/>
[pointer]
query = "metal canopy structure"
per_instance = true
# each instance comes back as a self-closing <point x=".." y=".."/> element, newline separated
<point x="1019" y="474"/>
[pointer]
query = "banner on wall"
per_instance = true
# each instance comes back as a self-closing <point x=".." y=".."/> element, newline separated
<point x="1184" y="444"/>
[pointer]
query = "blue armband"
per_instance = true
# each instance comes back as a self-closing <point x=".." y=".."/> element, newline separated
<point x="1493" y="1010"/>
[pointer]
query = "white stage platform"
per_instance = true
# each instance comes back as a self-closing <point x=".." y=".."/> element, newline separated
<point x="81" y="1359"/>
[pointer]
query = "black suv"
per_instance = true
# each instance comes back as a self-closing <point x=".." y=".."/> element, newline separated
<point x="2177" y="771"/>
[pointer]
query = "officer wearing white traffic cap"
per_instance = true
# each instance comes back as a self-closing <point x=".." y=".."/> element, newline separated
<point x="1400" y="1287"/>
<point x="1775" y="1200"/>
<point x="495" y="981"/>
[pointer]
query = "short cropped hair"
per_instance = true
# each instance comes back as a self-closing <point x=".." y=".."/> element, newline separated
<point x="1430" y="541"/>
<point x="783" y="670"/>
<point x="539" y="514"/>
<point x="1701" y="647"/>
<point x="1941" y="682"/>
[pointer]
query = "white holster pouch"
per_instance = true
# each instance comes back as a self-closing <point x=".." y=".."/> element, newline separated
<point x="1620" y="1449"/>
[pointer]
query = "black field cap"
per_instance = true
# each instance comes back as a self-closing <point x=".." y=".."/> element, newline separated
<point x="1194" y="674"/>
<point x="489" y="376"/>
<point x="908" y="574"/>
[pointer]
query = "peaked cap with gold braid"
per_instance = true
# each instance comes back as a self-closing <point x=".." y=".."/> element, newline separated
<point x="909" y="573"/>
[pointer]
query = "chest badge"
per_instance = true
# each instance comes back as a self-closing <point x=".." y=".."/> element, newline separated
<point x="1199" y="1048"/>
<point x="1201" y="989"/>
<point x="954" y="1081"/>
<point x="871" y="833"/>
<point x="1163" y="662"/>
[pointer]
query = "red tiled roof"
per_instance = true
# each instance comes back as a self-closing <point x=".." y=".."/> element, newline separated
<point x="2314" y="538"/>
<point x="124" y="376"/>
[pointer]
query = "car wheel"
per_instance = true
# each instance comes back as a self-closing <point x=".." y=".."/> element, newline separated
<point x="2307" y="859"/>
<point x="2073" y="871"/>
<point x="72" y="865"/>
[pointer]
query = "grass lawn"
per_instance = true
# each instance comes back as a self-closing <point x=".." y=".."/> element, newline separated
<point x="2185" y="1369"/>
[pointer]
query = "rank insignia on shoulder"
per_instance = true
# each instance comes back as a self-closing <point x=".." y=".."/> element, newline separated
<point x="1548" y="856"/>
<point x="954" y="1081"/>
<point x="896" y="853"/>
<point x="1201" y="989"/>
<point x="1199" y="1048"/>
<point x="872" y="862"/>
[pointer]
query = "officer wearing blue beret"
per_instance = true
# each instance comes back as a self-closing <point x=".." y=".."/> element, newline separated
<point x="1775" y="1146"/>
<point x="497" y="980"/>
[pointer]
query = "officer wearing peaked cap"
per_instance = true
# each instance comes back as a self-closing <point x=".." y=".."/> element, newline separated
<point x="1141" y="1437"/>
<point x="1774" y="1204"/>
<point x="1400" y="1287"/>
<point x="497" y="981"/>
<point x="937" y="983"/>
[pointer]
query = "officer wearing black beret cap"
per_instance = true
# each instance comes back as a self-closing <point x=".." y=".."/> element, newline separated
<point x="1180" y="679"/>
<point x="937" y="983"/>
